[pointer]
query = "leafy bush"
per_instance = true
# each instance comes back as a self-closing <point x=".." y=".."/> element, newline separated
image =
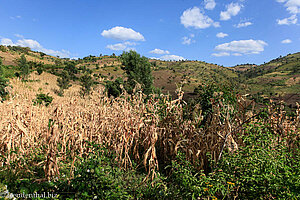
<point x="42" y="99"/>
<point x="264" y="167"/>
<point x="86" y="82"/>
<point x="113" y="88"/>
<point x="63" y="82"/>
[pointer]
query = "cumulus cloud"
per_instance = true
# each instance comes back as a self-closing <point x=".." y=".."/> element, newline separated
<point x="242" y="47"/>
<point x="159" y="51"/>
<point x="117" y="47"/>
<point x="221" y="35"/>
<point x="288" y="21"/>
<point x="194" y="17"/>
<point x="7" y="42"/>
<point x="287" y="41"/>
<point x="187" y="40"/>
<point x="231" y="10"/>
<point x="209" y="4"/>
<point x="35" y="45"/>
<point x="292" y="6"/>
<point x="122" y="33"/>
<point x="244" y="24"/>
<point x="221" y="54"/>
<point x="121" y="46"/>
<point x="172" y="57"/>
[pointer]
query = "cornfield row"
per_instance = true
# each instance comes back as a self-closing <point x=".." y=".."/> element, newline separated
<point x="147" y="133"/>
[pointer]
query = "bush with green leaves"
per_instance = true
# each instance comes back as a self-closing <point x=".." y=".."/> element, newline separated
<point x="24" y="67"/>
<point x="39" y="70"/>
<point x="113" y="88"/>
<point x="3" y="84"/>
<point x="63" y="82"/>
<point x="42" y="99"/>
<point x="265" y="167"/>
<point x="138" y="70"/>
<point x="86" y="83"/>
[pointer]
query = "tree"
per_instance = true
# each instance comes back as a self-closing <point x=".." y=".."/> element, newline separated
<point x="3" y="84"/>
<point x="138" y="70"/>
<point x="63" y="82"/>
<point x="113" y="88"/>
<point x="71" y="69"/>
<point x="86" y="83"/>
<point x="24" y="67"/>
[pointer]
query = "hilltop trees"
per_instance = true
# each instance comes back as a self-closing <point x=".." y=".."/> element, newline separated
<point x="138" y="70"/>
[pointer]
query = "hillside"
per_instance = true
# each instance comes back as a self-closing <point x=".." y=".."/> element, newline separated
<point x="278" y="79"/>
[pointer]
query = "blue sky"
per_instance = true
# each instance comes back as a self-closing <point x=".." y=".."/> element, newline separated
<point x="217" y="31"/>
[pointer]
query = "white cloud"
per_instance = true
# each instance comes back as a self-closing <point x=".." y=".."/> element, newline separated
<point x="172" y="57"/>
<point x="221" y="35"/>
<point x="7" y="42"/>
<point x="292" y="6"/>
<point x="288" y="21"/>
<point x="121" y="46"/>
<point x="122" y="33"/>
<point x="117" y="47"/>
<point x="159" y="51"/>
<point x="242" y="46"/>
<point x="188" y="39"/>
<point x="245" y="24"/>
<point x="195" y="18"/>
<point x="209" y="4"/>
<point x="232" y="10"/>
<point x="35" y="45"/>
<point x="287" y="41"/>
<point x="221" y="54"/>
<point x="32" y="44"/>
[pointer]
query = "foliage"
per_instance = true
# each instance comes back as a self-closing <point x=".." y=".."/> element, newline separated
<point x="71" y="69"/>
<point x="138" y="70"/>
<point x="63" y="82"/>
<point x="3" y="84"/>
<point x="86" y="82"/>
<point x="24" y="67"/>
<point x="39" y="70"/>
<point x="42" y="99"/>
<point x="264" y="167"/>
<point x="113" y="88"/>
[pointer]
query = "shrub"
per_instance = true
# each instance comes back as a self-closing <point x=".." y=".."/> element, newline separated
<point x="86" y="83"/>
<point x="39" y="70"/>
<point x="63" y="82"/>
<point x="113" y="88"/>
<point x="42" y="99"/>
<point x="24" y="67"/>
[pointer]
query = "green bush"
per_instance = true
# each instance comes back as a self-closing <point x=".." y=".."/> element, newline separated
<point x="86" y="82"/>
<point x="264" y="167"/>
<point x="42" y="99"/>
<point x="63" y="82"/>
<point x="113" y="88"/>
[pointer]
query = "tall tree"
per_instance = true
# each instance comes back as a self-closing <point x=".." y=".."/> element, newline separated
<point x="138" y="70"/>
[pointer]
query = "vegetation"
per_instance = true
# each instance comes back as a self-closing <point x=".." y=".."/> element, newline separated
<point x="138" y="70"/>
<point x="42" y="99"/>
<point x="86" y="82"/>
<point x="146" y="145"/>
<point x="3" y="84"/>
<point x="24" y="67"/>
<point x="63" y="82"/>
